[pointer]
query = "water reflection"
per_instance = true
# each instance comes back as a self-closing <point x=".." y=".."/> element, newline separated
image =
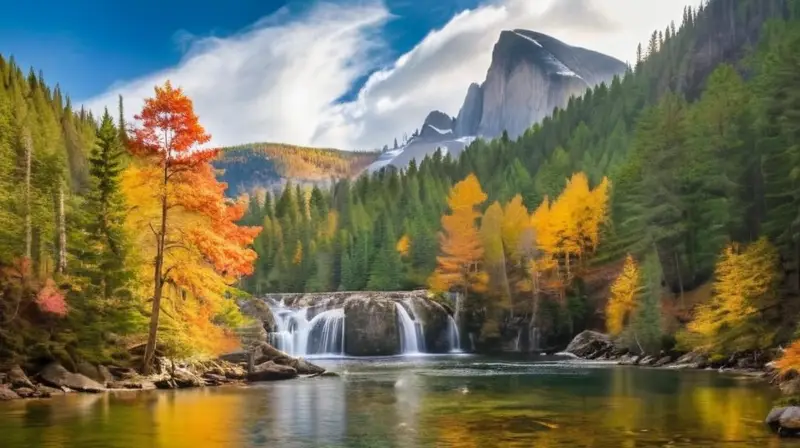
<point x="443" y="402"/>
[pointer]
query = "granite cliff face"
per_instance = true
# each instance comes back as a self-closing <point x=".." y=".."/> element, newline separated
<point x="531" y="74"/>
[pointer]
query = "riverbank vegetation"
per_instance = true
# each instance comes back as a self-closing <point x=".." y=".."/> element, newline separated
<point x="684" y="168"/>
<point x="104" y="227"/>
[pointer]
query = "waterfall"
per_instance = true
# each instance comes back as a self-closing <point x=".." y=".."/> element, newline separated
<point x="454" y="325"/>
<point x="296" y="335"/>
<point x="454" y="338"/>
<point x="419" y="325"/>
<point x="409" y="343"/>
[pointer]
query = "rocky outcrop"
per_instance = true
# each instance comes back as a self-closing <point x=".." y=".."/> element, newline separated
<point x="469" y="116"/>
<point x="267" y="353"/>
<point x="437" y="124"/>
<point x="371" y="328"/>
<point x="56" y="375"/>
<point x="16" y="378"/>
<point x="270" y="371"/>
<point x="590" y="345"/>
<point x="7" y="394"/>
<point x="531" y="74"/>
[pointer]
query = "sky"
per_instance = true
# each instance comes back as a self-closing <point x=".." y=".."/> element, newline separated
<point x="347" y="74"/>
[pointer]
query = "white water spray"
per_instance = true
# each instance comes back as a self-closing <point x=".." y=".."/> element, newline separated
<point x="409" y="338"/>
<point x="296" y="335"/>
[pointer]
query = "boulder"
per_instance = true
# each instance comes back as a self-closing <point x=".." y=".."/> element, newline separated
<point x="790" y="418"/>
<point x="691" y="360"/>
<point x="664" y="360"/>
<point x="212" y="379"/>
<point x="590" y="344"/>
<point x="269" y="371"/>
<point x="57" y="376"/>
<point x="235" y="357"/>
<point x="27" y="392"/>
<point x="265" y="352"/>
<point x="165" y="383"/>
<point x="629" y="360"/>
<point x="48" y="391"/>
<point x="184" y="379"/>
<point x="773" y="419"/>
<point x="234" y="372"/>
<point x="371" y="328"/>
<point x="7" y="394"/>
<point x="16" y="378"/>
<point x="105" y="374"/>
<point x="647" y="361"/>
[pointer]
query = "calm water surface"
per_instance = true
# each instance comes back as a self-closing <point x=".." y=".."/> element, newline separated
<point x="454" y="401"/>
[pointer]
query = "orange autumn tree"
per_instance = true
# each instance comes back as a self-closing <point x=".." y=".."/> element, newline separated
<point x="459" y="265"/>
<point x="180" y="214"/>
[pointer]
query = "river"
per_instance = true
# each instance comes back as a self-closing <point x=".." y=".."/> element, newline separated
<point x="442" y="401"/>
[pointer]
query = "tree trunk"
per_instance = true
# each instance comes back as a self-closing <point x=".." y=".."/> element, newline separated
<point x="62" y="232"/>
<point x="158" y="278"/>
<point x="28" y="146"/>
<point x="680" y="278"/>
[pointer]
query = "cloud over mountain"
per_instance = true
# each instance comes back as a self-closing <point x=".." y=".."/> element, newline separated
<point x="282" y="78"/>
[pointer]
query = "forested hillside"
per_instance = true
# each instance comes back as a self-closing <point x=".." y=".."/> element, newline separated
<point x="105" y="226"/>
<point x="269" y="165"/>
<point x="683" y="172"/>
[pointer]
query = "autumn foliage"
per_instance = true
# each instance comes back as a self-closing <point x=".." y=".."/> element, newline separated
<point x="183" y="223"/>
<point x="459" y="265"/>
<point x="745" y="289"/>
<point x="623" y="299"/>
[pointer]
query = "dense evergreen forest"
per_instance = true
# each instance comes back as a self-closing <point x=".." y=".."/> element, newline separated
<point x="664" y="207"/>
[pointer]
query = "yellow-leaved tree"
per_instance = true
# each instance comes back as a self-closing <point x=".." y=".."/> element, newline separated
<point x="623" y="299"/>
<point x="459" y="265"/>
<point x="746" y="282"/>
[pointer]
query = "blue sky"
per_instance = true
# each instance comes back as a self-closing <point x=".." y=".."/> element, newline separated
<point x="87" y="45"/>
<point x="348" y="74"/>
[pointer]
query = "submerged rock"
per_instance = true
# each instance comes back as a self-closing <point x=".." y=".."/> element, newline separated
<point x="57" y="376"/>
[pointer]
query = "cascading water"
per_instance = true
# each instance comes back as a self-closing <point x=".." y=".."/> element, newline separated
<point x="419" y="325"/>
<point x="453" y="337"/>
<point x="409" y="338"/>
<point x="296" y="335"/>
<point x="453" y="325"/>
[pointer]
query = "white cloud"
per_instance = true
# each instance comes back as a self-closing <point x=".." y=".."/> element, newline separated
<point x="279" y="80"/>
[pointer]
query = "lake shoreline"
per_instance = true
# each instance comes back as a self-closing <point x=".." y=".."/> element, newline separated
<point x="261" y="363"/>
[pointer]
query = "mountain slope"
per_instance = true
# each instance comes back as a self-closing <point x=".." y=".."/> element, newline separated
<point x="269" y="165"/>
<point x="531" y="74"/>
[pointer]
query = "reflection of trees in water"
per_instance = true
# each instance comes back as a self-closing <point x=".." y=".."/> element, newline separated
<point x="306" y="412"/>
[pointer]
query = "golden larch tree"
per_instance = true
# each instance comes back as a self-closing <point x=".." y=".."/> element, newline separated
<point x="459" y="265"/>
<point x="745" y="285"/>
<point x="623" y="299"/>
